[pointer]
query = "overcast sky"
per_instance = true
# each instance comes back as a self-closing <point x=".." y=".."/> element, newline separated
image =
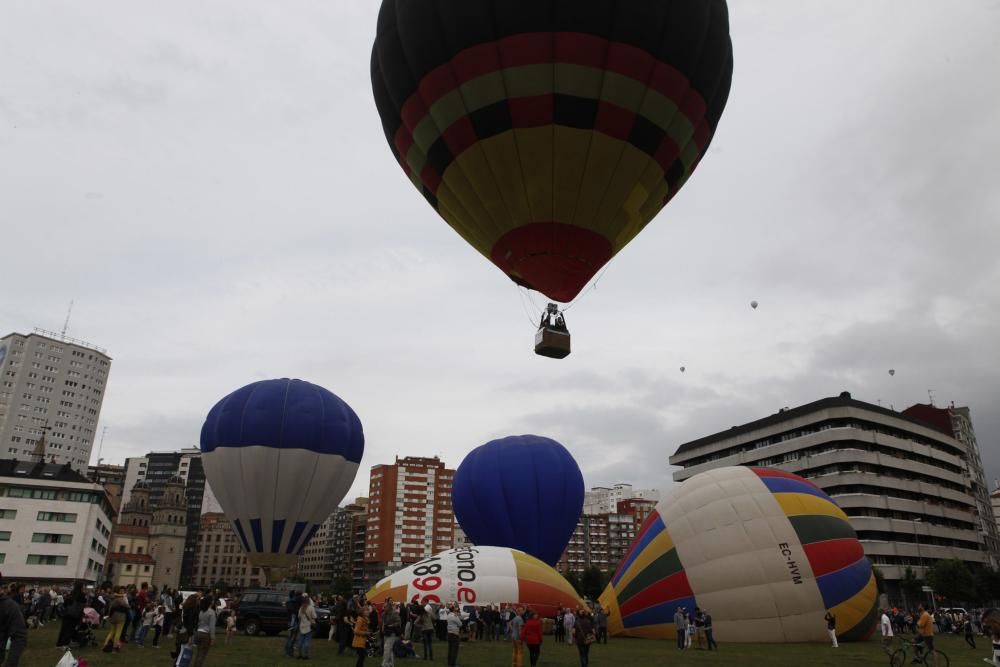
<point x="210" y="183"/>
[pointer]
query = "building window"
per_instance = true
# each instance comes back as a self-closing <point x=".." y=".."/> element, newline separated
<point x="128" y="568"/>
<point x="8" y="514"/>
<point x="4" y="536"/>
<point x="41" y="559"/>
<point x="63" y="517"/>
<point x="52" y="538"/>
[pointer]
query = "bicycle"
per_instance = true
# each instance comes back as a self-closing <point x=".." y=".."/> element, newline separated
<point x="921" y="655"/>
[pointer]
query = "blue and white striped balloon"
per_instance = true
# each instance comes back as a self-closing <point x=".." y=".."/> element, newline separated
<point x="280" y="455"/>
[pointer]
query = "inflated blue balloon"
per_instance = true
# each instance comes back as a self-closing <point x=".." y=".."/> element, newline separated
<point x="523" y="492"/>
<point x="280" y="455"/>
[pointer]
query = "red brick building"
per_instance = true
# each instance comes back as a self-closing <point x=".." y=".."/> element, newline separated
<point x="409" y="514"/>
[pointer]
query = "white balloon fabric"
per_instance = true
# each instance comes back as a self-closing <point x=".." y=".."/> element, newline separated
<point x="479" y="576"/>
<point x="280" y="455"/>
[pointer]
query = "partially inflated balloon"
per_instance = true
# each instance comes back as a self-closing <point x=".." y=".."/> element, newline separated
<point x="479" y="576"/>
<point x="549" y="133"/>
<point x="765" y="552"/>
<point x="523" y="492"/>
<point x="280" y="455"/>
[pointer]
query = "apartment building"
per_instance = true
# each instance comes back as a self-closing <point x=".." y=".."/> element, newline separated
<point x="51" y="385"/>
<point x="409" y="514"/>
<point x="908" y="486"/>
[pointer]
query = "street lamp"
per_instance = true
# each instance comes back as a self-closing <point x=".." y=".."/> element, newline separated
<point x="920" y="559"/>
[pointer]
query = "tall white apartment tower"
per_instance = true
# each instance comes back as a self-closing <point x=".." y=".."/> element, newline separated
<point x="50" y="385"/>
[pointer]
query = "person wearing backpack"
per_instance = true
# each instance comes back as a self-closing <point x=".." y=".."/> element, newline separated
<point x="118" y="612"/>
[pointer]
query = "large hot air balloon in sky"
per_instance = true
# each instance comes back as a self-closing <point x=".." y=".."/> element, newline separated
<point x="280" y="455"/>
<point x="548" y="133"/>
<point x="479" y="576"/>
<point x="765" y="552"/>
<point x="524" y="492"/>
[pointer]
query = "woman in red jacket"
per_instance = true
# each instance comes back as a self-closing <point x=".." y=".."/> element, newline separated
<point x="531" y="634"/>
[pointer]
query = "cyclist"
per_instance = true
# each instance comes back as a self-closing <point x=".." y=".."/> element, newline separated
<point x="925" y="628"/>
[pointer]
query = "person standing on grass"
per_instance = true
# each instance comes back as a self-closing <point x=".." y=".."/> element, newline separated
<point x="189" y="614"/>
<point x="307" y="620"/>
<point x="690" y="629"/>
<point x="230" y="626"/>
<point x="392" y="626"/>
<point x="145" y="623"/>
<point x="340" y="630"/>
<point x="157" y="626"/>
<point x="709" y="638"/>
<point x="424" y="628"/>
<point x="118" y="611"/>
<point x="12" y="629"/>
<point x="831" y="627"/>
<point x="531" y="635"/>
<point x="205" y="632"/>
<point x="601" y="622"/>
<point x="292" y="605"/>
<point x="516" y="625"/>
<point x="357" y="620"/>
<point x="73" y="605"/>
<point x="970" y="638"/>
<point x="454" y="623"/>
<point x="583" y="633"/>
<point x="680" y="624"/>
<point x="560" y="629"/>
<point x="885" y="625"/>
<point x="167" y="602"/>
<point x="699" y="628"/>
<point x="569" y="622"/>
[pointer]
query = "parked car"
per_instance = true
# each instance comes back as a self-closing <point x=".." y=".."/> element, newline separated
<point x="264" y="611"/>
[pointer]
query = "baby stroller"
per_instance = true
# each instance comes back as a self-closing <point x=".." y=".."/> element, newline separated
<point x="83" y="633"/>
<point x="374" y="644"/>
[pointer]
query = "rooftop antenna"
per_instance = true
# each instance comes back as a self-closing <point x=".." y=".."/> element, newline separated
<point x="100" y="447"/>
<point x="69" y="312"/>
<point x="930" y="396"/>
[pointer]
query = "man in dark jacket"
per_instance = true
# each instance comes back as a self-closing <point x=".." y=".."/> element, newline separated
<point x="12" y="627"/>
<point x="292" y="606"/>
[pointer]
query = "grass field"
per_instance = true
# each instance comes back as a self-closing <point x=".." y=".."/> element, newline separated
<point x="267" y="652"/>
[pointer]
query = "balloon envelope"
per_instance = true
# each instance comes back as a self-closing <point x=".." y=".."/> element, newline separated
<point x="548" y="134"/>
<point x="479" y="576"/>
<point x="765" y="552"/>
<point x="892" y="371"/>
<point x="754" y="304"/>
<point x="280" y="455"/>
<point x="522" y="492"/>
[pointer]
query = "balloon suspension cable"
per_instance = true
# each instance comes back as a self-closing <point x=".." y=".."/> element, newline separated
<point x="593" y="285"/>
<point x="527" y="305"/>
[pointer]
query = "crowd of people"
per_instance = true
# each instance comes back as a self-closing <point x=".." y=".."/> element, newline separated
<point x="144" y="615"/>
<point x="140" y="615"/>
<point x="402" y="630"/>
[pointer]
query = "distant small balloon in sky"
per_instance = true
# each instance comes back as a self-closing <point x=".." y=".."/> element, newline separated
<point x="754" y="304"/>
<point x="683" y="368"/>
<point x="892" y="371"/>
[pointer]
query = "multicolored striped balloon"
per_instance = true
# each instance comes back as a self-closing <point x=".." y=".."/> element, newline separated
<point x="549" y="133"/>
<point x="765" y="552"/>
<point x="480" y="576"/>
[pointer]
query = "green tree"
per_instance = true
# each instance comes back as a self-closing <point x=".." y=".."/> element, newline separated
<point x="591" y="583"/>
<point x="879" y="579"/>
<point x="342" y="585"/>
<point x="953" y="580"/>
<point x="987" y="585"/>
<point x="574" y="580"/>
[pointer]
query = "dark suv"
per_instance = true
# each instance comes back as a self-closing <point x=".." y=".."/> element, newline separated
<point x="265" y="611"/>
